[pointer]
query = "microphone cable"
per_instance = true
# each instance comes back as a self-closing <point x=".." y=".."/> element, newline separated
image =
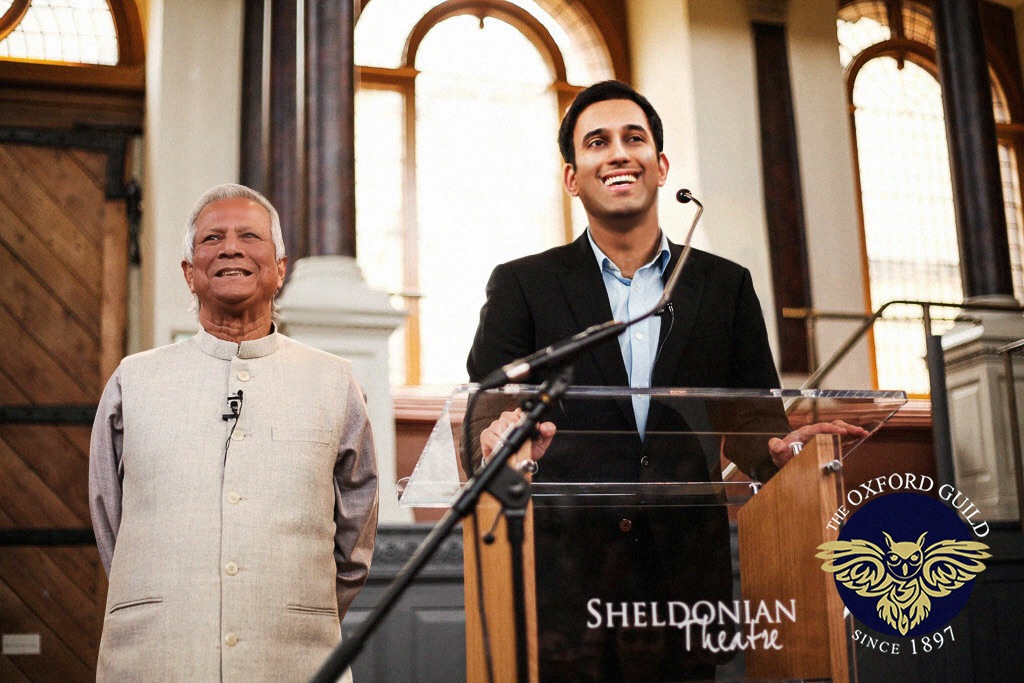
<point x="670" y="310"/>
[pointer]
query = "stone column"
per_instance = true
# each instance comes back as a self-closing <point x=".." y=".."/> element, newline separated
<point x="328" y="305"/>
<point x="302" y="156"/>
<point x="976" y="379"/>
<point x="330" y="112"/>
<point x="973" y="155"/>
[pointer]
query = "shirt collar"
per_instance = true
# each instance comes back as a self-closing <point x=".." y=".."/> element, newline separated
<point x="659" y="261"/>
<point x="226" y="350"/>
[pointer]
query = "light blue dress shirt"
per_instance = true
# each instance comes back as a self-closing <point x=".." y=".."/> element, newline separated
<point x="631" y="298"/>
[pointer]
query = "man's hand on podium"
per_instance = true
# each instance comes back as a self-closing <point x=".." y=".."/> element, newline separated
<point x="783" y="450"/>
<point x="492" y="438"/>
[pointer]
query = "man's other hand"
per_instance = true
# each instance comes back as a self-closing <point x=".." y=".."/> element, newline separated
<point x="782" y="449"/>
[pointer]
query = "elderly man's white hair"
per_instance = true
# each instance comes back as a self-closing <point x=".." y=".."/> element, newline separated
<point x="231" y="191"/>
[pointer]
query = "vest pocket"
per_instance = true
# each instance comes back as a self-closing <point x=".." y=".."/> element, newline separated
<point x="302" y="434"/>
<point x="138" y="602"/>
<point x="309" y="609"/>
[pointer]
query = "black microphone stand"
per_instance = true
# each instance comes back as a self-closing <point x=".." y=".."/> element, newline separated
<point x="504" y="484"/>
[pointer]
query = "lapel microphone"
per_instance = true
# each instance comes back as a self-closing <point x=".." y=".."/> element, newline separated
<point x="234" y="405"/>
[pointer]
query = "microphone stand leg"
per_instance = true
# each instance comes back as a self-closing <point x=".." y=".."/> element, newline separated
<point x="516" y="536"/>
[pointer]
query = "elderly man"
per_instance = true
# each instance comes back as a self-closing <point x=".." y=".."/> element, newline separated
<point x="232" y="477"/>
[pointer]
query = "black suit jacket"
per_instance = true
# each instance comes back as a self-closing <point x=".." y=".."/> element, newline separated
<point x="715" y="337"/>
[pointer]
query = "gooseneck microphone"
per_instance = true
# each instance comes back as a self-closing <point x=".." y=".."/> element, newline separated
<point x="563" y="350"/>
<point x="684" y="196"/>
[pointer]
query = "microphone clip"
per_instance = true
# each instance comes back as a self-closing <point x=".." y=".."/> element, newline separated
<point x="234" y="405"/>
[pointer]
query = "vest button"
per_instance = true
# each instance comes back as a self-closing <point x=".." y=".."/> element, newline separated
<point x="231" y="568"/>
<point x="233" y="498"/>
<point x="625" y="525"/>
<point x="645" y="461"/>
<point x="243" y="376"/>
<point x="231" y="639"/>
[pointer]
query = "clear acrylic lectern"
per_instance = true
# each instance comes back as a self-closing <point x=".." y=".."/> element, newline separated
<point x="631" y="573"/>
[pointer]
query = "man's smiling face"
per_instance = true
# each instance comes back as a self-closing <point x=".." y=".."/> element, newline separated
<point x="234" y="265"/>
<point x="618" y="168"/>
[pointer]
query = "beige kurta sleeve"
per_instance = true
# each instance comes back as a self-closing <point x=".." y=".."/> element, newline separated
<point x="105" y="472"/>
<point x="355" y="499"/>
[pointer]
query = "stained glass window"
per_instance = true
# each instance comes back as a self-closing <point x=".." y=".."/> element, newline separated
<point x="909" y="228"/>
<point x="906" y="191"/>
<point x="65" y="31"/>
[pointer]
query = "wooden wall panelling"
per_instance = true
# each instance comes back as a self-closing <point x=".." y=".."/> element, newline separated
<point x="63" y="285"/>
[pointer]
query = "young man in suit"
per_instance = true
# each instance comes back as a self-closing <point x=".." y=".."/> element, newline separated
<point x="711" y="335"/>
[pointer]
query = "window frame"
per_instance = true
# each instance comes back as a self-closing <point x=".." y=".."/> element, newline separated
<point x="403" y="80"/>
<point x="63" y="95"/>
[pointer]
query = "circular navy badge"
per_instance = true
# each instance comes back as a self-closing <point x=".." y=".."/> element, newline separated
<point x="904" y="564"/>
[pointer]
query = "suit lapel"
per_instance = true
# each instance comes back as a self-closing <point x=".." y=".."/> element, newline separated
<point x="685" y="302"/>
<point x="588" y="302"/>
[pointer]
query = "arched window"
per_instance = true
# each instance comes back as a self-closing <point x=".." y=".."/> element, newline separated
<point x="888" y="51"/>
<point x="80" y="32"/>
<point x="457" y="110"/>
<point x="1011" y="146"/>
<point x="89" y="52"/>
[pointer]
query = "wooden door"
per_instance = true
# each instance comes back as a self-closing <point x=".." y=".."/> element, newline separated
<point x="63" y="282"/>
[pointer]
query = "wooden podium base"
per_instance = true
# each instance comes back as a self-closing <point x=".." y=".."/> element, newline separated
<point x="779" y="532"/>
<point x="499" y="607"/>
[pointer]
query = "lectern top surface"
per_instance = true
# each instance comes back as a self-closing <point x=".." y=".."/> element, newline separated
<point x="691" y="436"/>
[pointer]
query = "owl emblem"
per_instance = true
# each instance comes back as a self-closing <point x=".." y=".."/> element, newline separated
<point x="906" y="575"/>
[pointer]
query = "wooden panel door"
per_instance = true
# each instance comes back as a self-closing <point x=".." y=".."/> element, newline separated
<point x="63" y="281"/>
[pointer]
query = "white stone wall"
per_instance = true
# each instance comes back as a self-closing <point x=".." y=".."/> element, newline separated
<point x="191" y="141"/>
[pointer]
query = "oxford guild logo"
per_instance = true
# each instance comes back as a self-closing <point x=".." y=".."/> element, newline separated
<point x="904" y="565"/>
